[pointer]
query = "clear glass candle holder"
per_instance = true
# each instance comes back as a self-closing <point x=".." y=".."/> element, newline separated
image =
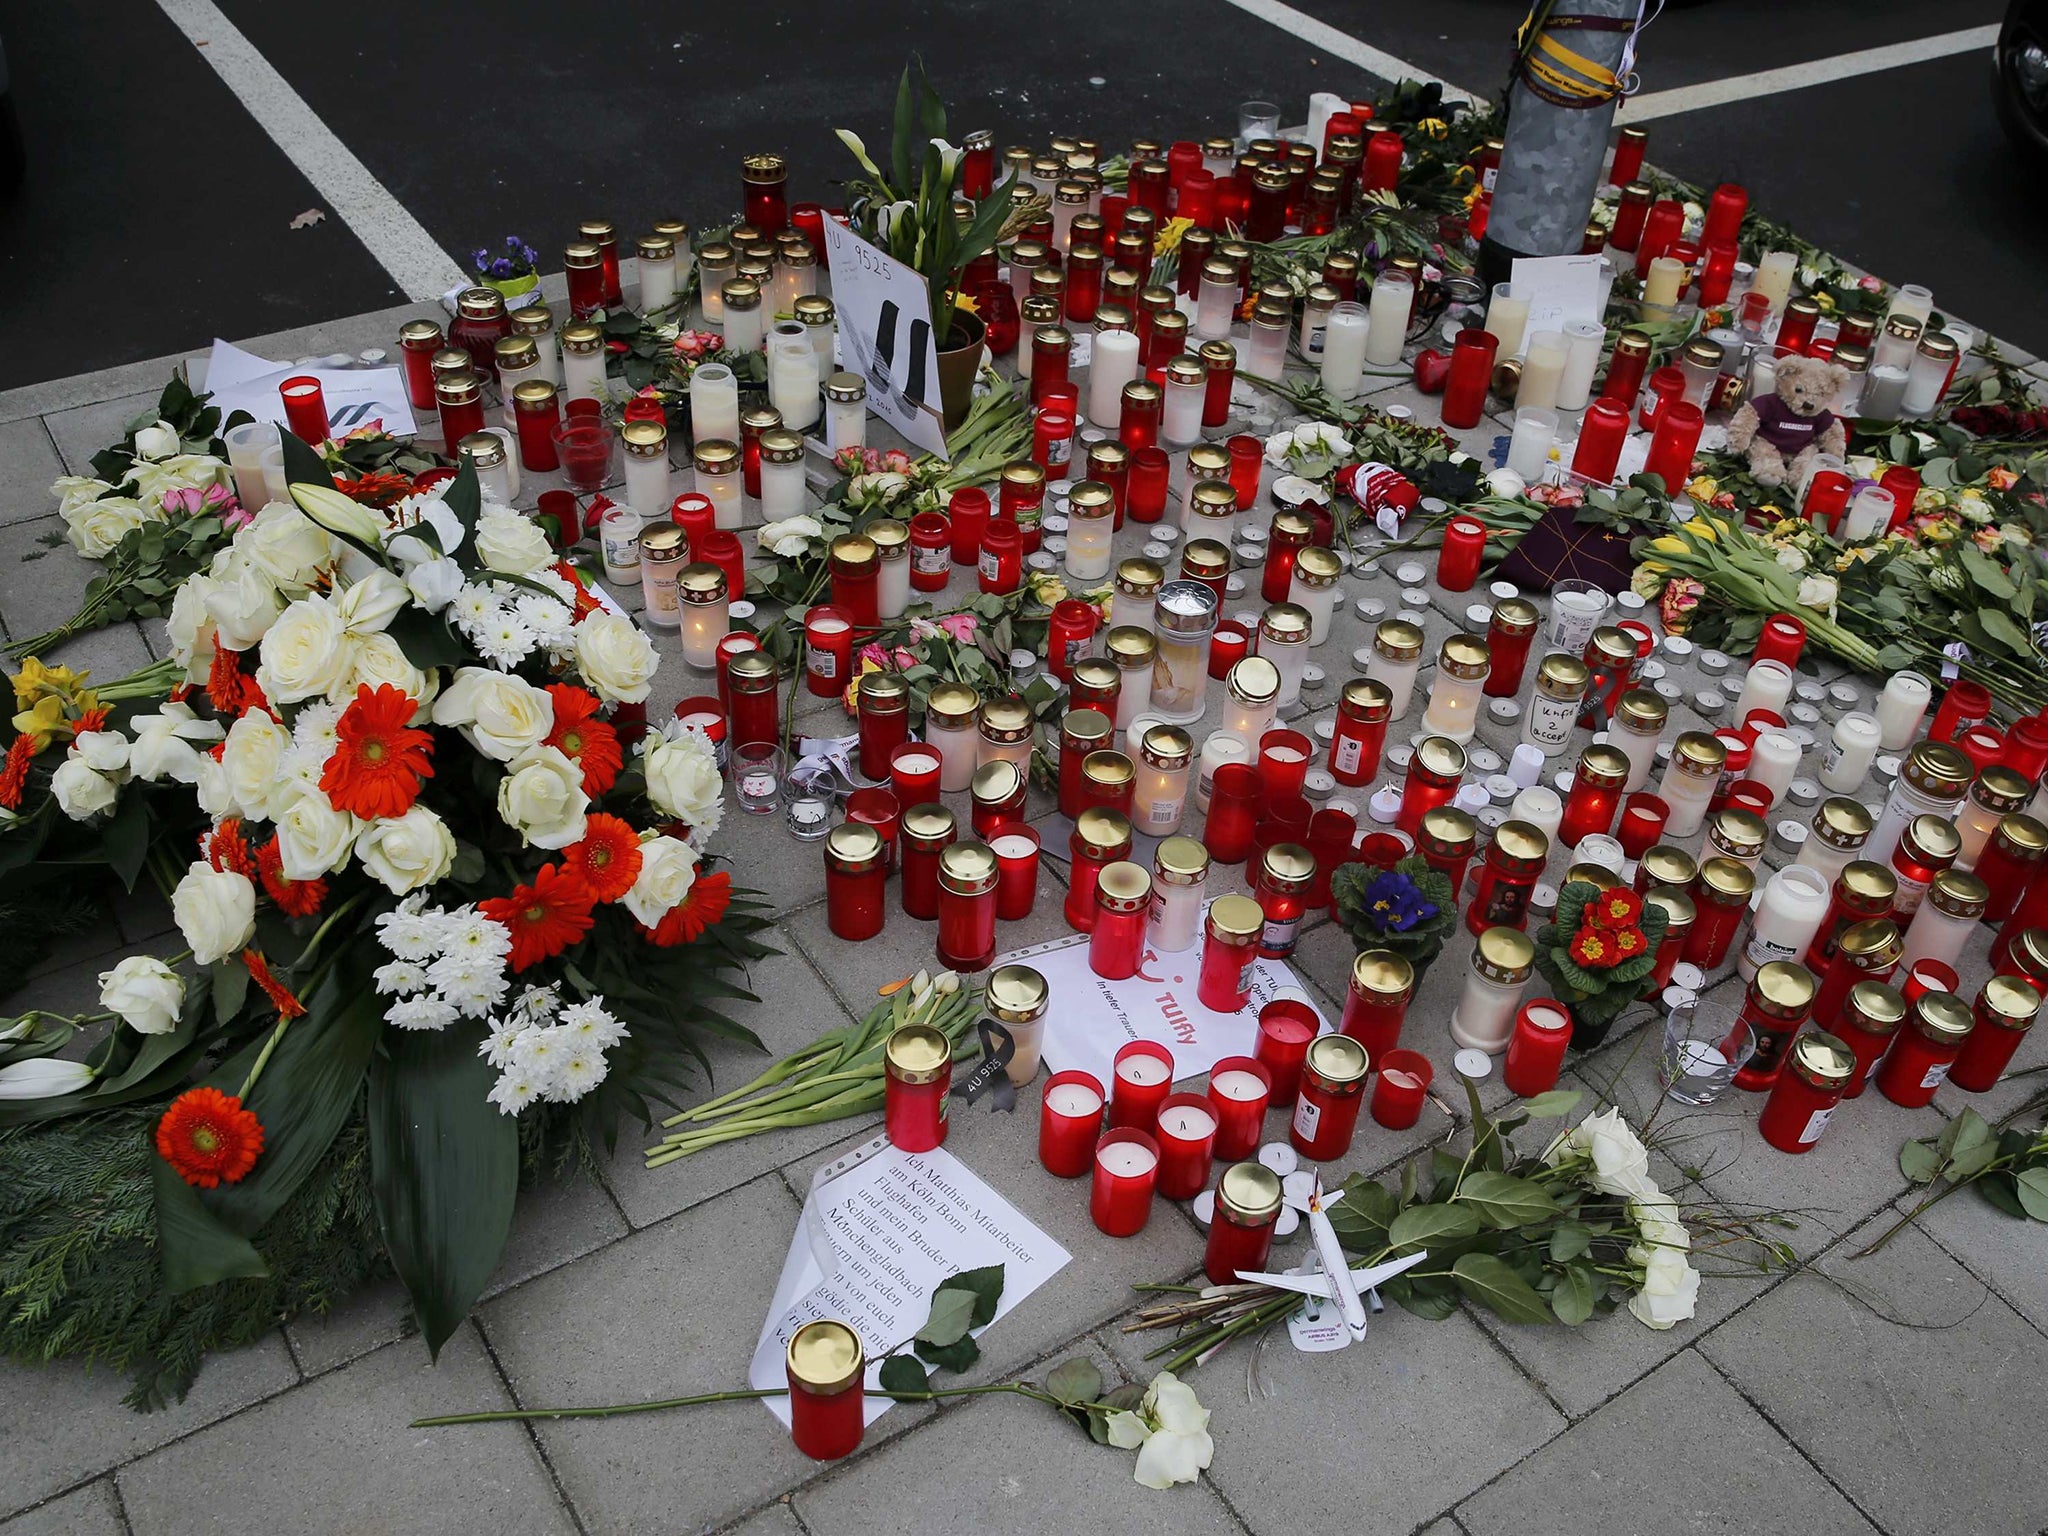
<point x="757" y="773"/>
<point x="1705" y="1044"/>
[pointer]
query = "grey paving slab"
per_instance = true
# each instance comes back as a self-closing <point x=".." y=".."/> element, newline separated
<point x="1896" y="1375"/>
<point x="42" y="591"/>
<point x="28" y="463"/>
<point x="94" y="1510"/>
<point x="371" y="1472"/>
<point x="666" y="1312"/>
<point x="364" y="1320"/>
<point x="1433" y="1412"/>
<point x="795" y="1008"/>
<point x="84" y="430"/>
<point x="67" y="972"/>
<point x="2003" y="1251"/>
<point x="61" y="1424"/>
<point x="984" y="1466"/>
<point x="776" y="1520"/>
<point x="1679" y="1451"/>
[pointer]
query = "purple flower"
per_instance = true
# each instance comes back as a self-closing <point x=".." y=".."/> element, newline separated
<point x="1396" y="904"/>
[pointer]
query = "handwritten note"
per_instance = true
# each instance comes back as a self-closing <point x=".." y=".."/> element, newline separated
<point x="880" y="1229"/>
<point x="885" y="335"/>
<point x="1558" y="288"/>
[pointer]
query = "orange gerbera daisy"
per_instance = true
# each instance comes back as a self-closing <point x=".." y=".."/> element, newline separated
<point x="379" y="760"/>
<point x="688" y="918"/>
<point x="94" y="719"/>
<point x="582" y="737"/>
<point x="608" y="858"/>
<point x="583" y="604"/>
<point x="209" y="1138"/>
<point x="224" y="679"/>
<point x="544" y="918"/>
<point x="14" y="773"/>
<point x="380" y="488"/>
<point x="294" y="898"/>
<point x="280" y="995"/>
<point x="226" y="848"/>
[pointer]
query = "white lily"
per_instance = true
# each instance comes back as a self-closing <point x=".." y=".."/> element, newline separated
<point x="1169" y="1431"/>
<point x="339" y="514"/>
<point x="885" y="218"/>
<point x="44" y="1078"/>
<point x="853" y="142"/>
<point x="950" y="156"/>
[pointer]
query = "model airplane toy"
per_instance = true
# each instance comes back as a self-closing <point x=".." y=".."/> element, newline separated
<point x="1335" y="1280"/>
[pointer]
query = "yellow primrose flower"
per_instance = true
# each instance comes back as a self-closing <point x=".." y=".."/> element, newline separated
<point x="1825" y="300"/>
<point x="43" y="722"/>
<point x="1432" y="128"/>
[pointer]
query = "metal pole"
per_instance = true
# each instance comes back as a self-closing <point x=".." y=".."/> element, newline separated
<point x="1551" y="157"/>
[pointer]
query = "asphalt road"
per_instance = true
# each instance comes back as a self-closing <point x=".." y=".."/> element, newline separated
<point x="157" y="212"/>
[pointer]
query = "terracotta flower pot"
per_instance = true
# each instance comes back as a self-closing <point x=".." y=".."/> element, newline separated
<point x="958" y="365"/>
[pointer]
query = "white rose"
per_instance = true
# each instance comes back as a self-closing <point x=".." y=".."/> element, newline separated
<point x="381" y="659"/>
<point x="1670" y="1290"/>
<point x="286" y="545"/>
<point x="614" y="657"/>
<point x="180" y="472"/>
<point x="1657" y="1220"/>
<point x="434" y="583"/>
<point x="306" y="653"/>
<point x="215" y="911"/>
<point x="191" y="628"/>
<point x="45" y="1077"/>
<point x="541" y="797"/>
<point x="241" y="599"/>
<point x="211" y="789"/>
<point x="501" y="715"/>
<point x="1817" y="592"/>
<point x="1621" y="1166"/>
<point x="407" y="852"/>
<point x="74" y="491"/>
<point x="81" y="793"/>
<point x="511" y="542"/>
<point x="682" y="777"/>
<point x="256" y="744"/>
<point x="668" y="868"/>
<point x="145" y="992"/>
<point x="884" y="485"/>
<point x="340" y="515"/>
<point x="312" y="835"/>
<point x="101" y="751"/>
<point x="791" y="536"/>
<point x="157" y="442"/>
<point x="163" y="744"/>
<point x="1791" y="559"/>
<point x="97" y="526"/>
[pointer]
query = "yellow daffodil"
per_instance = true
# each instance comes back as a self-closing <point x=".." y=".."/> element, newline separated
<point x="1169" y="237"/>
<point x="36" y="680"/>
<point x="43" y="722"/>
<point x="1702" y="487"/>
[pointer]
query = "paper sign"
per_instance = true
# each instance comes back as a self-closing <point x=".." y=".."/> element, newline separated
<point x="1091" y="1019"/>
<point x="885" y="335"/>
<point x="355" y="397"/>
<point x="1558" y="288"/>
<point x="880" y="1229"/>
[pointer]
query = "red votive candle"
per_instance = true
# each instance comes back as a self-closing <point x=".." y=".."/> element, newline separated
<point x="1283" y="764"/>
<point x="1536" y="1051"/>
<point x="1457" y="563"/>
<point x="1151" y="469"/>
<point x="1925" y="976"/>
<point x="1240" y="1089"/>
<point x="828" y="650"/>
<point x="1376" y="1004"/>
<point x="1126" y="1173"/>
<point x="1234" y="797"/>
<point x="967" y="511"/>
<point x="1809" y="1087"/>
<point x="917" y="1064"/>
<point x="1725" y="210"/>
<point x="1402" y="1084"/>
<point x="1937" y="1025"/>
<point x="1230" y="948"/>
<point x="1241" y="1231"/>
<point x="1141" y="1083"/>
<point x="1642" y="823"/>
<point x="1472" y="358"/>
<point x="1069" y="1123"/>
<point x="1332" y="1092"/>
<point x="2005" y="1011"/>
<point x="1782" y="639"/>
<point x="1673" y="443"/>
<point x="1601" y="434"/>
<point x="878" y="808"/>
<point x="824" y="1367"/>
<point x="1016" y="848"/>
<point x="1286" y="1026"/>
<point x="1187" y="1138"/>
<point x="1247" y="460"/>
<point x="914" y="773"/>
<point x="305" y="408"/>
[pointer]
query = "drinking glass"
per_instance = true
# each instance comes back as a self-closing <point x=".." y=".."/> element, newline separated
<point x="1576" y="610"/>
<point x="757" y="776"/>
<point x="1705" y="1044"/>
<point x="1257" y="120"/>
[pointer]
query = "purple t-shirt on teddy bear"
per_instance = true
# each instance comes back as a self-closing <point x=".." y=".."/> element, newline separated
<point x="1785" y="429"/>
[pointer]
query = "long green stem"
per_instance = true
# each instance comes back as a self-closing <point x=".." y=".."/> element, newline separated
<point x="752" y="1394"/>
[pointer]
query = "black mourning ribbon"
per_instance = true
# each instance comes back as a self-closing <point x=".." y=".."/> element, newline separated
<point x="990" y="1075"/>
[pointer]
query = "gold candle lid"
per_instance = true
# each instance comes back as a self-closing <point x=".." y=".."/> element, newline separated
<point x="1181" y="861"/>
<point x="1822" y="1060"/>
<point x="918" y="1053"/>
<point x="1237" y="917"/>
<point x="1248" y="1194"/>
<point x="1105" y="830"/>
<point x="825" y="1358"/>
<point x="1382" y="974"/>
<point x="1336" y="1062"/>
<point x="1017" y="994"/>
<point x="1783" y="989"/>
<point x="1504" y="955"/>
<point x="1464" y="657"/>
<point x="1397" y="640"/>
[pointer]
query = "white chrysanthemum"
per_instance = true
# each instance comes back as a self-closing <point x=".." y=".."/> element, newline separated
<point x="498" y="1044"/>
<point x="513" y="1091"/>
<point x="473" y="983"/>
<point x="409" y="931"/>
<point x="538" y="1052"/>
<point x="549" y="619"/>
<point x="314" y="728"/>
<point x="581" y="1068"/>
<point x="591" y="1022"/>
<point x="536" y="1005"/>
<point x="474" y="607"/>
<point x="555" y="582"/>
<point x="504" y="641"/>
<point x="468" y="931"/>
<point x="420" y="1012"/>
<point x="401" y="978"/>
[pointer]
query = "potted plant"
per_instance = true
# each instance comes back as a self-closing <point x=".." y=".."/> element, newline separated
<point x="1596" y="954"/>
<point x="908" y="211"/>
<point x="1406" y="907"/>
<point x="512" y="271"/>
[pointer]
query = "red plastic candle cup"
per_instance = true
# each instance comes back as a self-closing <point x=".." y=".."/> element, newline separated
<point x="1903" y="481"/>
<point x="1982" y="745"/>
<point x="1782" y="639"/>
<point x="1187" y="1139"/>
<point x="825" y="1366"/>
<point x="305" y="408"/>
<point x="1724" y="213"/>
<point x="696" y="514"/>
<point x="582" y="408"/>
<point x="1402" y="1084"/>
<point x="555" y="512"/>
<point x="1827" y="498"/>
<point x="828" y="650"/>
<point x="1227" y="647"/>
<point x="1016" y="849"/>
<point x="1472" y="358"/>
<point x="1928" y="976"/>
<point x="878" y="808"/>
<point x="1601" y="435"/>
<point x="1673" y="443"/>
<point x="1628" y="156"/>
<point x="1126" y="1174"/>
<point x="1536" y="1050"/>
<point x="914" y="773"/>
<point x="968" y="512"/>
<point x="1748" y="795"/>
<point x="1140" y="1084"/>
<point x="1069" y="1123"/>
<point x="585" y="449"/>
<point x="1283" y="765"/>
<point x="1151" y="469"/>
<point x="1233" y="813"/>
<point x="1642" y="823"/>
<point x="1286" y="1026"/>
<point x="1966" y="703"/>
<point x="1667" y="384"/>
<point x="1240" y="1089"/>
<point x="1457" y="563"/>
<point x="1247" y="460"/>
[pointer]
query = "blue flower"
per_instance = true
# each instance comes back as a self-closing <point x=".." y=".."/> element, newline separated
<point x="1396" y="904"/>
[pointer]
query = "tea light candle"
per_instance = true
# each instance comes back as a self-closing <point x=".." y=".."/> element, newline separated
<point x="1240" y="1089"/>
<point x="1541" y="807"/>
<point x="1768" y="685"/>
<point x="1126" y="1173"/>
<point x="1187" y="1137"/>
<point x="1143" y="1079"/>
<point x="1069" y="1123"/>
<point x="1286" y="1026"/>
<point x="714" y="404"/>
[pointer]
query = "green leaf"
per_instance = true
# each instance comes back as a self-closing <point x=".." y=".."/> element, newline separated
<point x="1126" y="1398"/>
<point x="194" y="1248"/>
<point x="464" y="497"/>
<point x="426" y="639"/>
<point x="2000" y="627"/>
<point x="1505" y="1201"/>
<point x="1486" y="1279"/>
<point x="900" y="1373"/>
<point x="1074" y="1381"/>
<point x="230" y="988"/>
<point x="951" y="1316"/>
<point x="1423" y="1301"/>
<point x="302" y="466"/>
<point x="1568" y="1240"/>
<point x="1423" y="1226"/>
<point x="444" y="1168"/>
<point x="984" y="1285"/>
<point x="1552" y="1105"/>
<point x="1572" y="1298"/>
<point x="124" y="841"/>
<point x="2031" y="1185"/>
<point x="959" y="1355"/>
<point x="2000" y="1192"/>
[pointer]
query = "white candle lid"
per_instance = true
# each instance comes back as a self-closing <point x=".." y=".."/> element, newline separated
<point x="1279" y="1156"/>
<point x="1203" y="1206"/>
<point x="1474" y="1065"/>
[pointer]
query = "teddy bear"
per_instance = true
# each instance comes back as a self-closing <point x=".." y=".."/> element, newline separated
<point x="1785" y="431"/>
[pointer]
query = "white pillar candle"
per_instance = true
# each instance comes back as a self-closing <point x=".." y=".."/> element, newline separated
<point x="1127" y="1159"/>
<point x="657" y="280"/>
<point x="1795" y="902"/>
<point x="1542" y="371"/>
<point x="1181" y="419"/>
<point x="1768" y="685"/>
<point x="1506" y="317"/>
<point x="1869" y="514"/>
<point x="1913" y="300"/>
<point x="1850" y="752"/>
<point x="245" y="460"/>
<point x="1076" y="1100"/>
<point x="1344" y="350"/>
<point x="714" y="404"/>
<point x="793" y="381"/>
<point x="1111" y="365"/>
<point x="1662" y="282"/>
<point x="1540" y="806"/>
<point x="1221" y="747"/>
<point x="1900" y="709"/>
<point x="1216" y="302"/>
<point x="1774" y="278"/>
<point x="1393" y="300"/>
<point x="583" y="376"/>
<point x="1582" y="342"/>
<point x="1142" y="1070"/>
<point x="1187" y="1122"/>
<point x="1773" y="761"/>
<point x="1237" y="1085"/>
<point x="1937" y="935"/>
<point x="1529" y="448"/>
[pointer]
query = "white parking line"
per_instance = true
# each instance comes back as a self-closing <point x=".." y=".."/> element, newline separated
<point x="398" y="241"/>
<point x="1792" y="77"/>
<point x="1344" y="46"/>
